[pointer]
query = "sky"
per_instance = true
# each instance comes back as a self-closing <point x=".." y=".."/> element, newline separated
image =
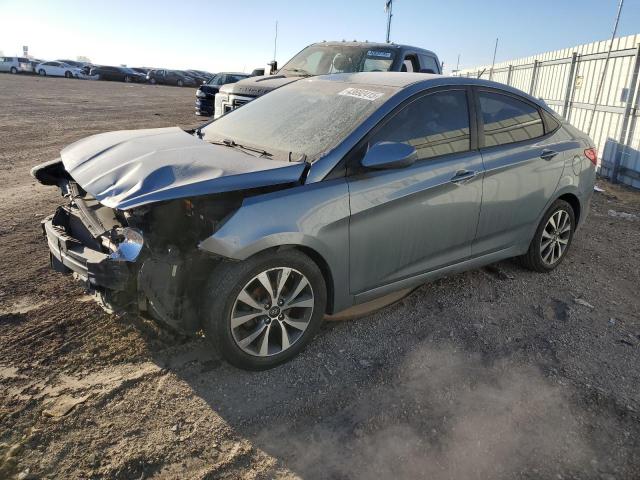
<point x="238" y="35"/>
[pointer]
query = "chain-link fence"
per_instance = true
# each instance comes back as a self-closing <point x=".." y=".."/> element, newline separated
<point x="567" y="80"/>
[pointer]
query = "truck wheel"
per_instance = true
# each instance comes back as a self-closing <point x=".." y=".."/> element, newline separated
<point x="552" y="239"/>
<point x="263" y="311"/>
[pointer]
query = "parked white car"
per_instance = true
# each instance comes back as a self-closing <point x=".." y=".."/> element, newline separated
<point x="58" y="69"/>
<point x="14" y="64"/>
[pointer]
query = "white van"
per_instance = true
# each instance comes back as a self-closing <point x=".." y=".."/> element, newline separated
<point x="15" y="65"/>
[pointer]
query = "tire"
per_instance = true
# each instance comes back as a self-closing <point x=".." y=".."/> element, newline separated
<point x="231" y="280"/>
<point x="541" y="256"/>
<point x="42" y="73"/>
<point x="127" y="79"/>
<point x="13" y="70"/>
<point x="68" y="75"/>
<point x="152" y="81"/>
<point x="180" y="83"/>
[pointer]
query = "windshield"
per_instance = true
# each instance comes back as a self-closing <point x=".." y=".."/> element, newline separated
<point x="305" y="118"/>
<point x="324" y="59"/>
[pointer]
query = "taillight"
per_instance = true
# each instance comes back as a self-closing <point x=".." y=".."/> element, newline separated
<point x="592" y="154"/>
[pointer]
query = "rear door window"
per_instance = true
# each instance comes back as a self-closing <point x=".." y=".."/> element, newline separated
<point x="508" y="120"/>
<point x="435" y="124"/>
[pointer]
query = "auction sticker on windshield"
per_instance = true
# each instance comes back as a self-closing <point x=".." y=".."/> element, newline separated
<point x="376" y="53"/>
<point x="361" y="93"/>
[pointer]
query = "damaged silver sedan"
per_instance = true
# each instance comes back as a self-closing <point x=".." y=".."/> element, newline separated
<point x="323" y="194"/>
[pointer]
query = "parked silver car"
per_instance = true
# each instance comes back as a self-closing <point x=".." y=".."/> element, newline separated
<point x="326" y="193"/>
<point x="15" y="65"/>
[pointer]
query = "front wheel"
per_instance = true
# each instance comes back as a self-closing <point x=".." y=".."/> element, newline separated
<point x="42" y="73"/>
<point x="14" y="70"/>
<point x="552" y="239"/>
<point x="68" y="74"/>
<point x="127" y="79"/>
<point x="263" y="311"/>
<point x="180" y="83"/>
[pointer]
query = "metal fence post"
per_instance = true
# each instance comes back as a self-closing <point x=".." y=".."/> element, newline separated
<point x="626" y="133"/>
<point x="568" y="94"/>
<point x="534" y="75"/>
<point x="509" y="75"/>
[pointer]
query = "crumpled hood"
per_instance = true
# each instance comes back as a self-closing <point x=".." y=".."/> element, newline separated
<point x="129" y="168"/>
<point x="258" y="86"/>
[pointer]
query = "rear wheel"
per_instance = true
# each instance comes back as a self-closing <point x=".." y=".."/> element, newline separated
<point x="14" y="70"/>
<point x="127" y="79"/>
<point x="180" y="83"/>
<point x="152" y="81"/>
<point x="552" y="239"/>
<point x="42" y="73"/>
<point x="265" y="310"/>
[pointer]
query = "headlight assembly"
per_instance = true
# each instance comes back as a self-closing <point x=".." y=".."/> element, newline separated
<point x="130" y="247"/>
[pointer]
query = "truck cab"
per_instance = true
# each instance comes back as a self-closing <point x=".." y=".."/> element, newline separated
<point x="325" y="58"/>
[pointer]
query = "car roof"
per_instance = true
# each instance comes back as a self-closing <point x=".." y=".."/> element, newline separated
<point x="374" y="45"/>
<point x="233" y="73"/>
<point x="403" y="80"/>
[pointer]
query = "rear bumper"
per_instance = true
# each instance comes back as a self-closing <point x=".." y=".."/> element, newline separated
<point x="95" y="268"/>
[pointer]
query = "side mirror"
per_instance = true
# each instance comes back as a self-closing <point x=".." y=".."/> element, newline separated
<point x="386" y="155"/>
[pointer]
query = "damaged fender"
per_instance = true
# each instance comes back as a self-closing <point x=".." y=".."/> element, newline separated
<point x="313" y="216"/>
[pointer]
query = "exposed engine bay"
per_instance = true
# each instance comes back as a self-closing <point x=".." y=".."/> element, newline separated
<point x="144" y="259"/>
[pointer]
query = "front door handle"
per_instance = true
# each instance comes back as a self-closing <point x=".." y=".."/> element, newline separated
<point x="548" y="154"/>
<point x="462" y="176"/>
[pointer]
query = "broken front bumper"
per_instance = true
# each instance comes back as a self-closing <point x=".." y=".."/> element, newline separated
<point x="70" y="255"/>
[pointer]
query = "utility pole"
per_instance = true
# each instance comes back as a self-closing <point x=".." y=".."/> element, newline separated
<point x="604" y="70"/>
<point x="458" y="63"/>
<point x="275" y="42"/>
<point x="493" y="62"/>
<point x="388" y="7"/>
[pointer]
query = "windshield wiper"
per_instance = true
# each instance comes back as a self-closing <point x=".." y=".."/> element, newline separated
<point x="303" y="73"/>
<point x="230" y="143"/>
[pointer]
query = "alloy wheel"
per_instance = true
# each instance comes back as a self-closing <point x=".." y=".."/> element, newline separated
<point x="272" y="311"/>
<point x="555" y="237"/>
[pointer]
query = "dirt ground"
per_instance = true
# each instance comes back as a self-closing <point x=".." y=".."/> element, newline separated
<point x="494" y="373"/>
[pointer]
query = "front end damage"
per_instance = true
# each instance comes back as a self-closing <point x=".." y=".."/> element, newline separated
<point x="160" y="272"/>
<point x="140" y="253"/>
<point x="138" y="204"/>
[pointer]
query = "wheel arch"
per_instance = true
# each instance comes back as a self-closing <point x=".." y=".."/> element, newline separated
<point x="316" y="258"/>
<point x="573" y="200"/>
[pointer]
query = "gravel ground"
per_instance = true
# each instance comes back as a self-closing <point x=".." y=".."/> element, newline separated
<point x="494" y="373"/>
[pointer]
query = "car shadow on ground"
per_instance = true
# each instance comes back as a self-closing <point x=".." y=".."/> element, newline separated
<point x="429" y="387"/>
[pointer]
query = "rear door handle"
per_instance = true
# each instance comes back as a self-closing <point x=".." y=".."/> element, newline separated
<point x="463" y="175"/>
<point x="548" y="154"/>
